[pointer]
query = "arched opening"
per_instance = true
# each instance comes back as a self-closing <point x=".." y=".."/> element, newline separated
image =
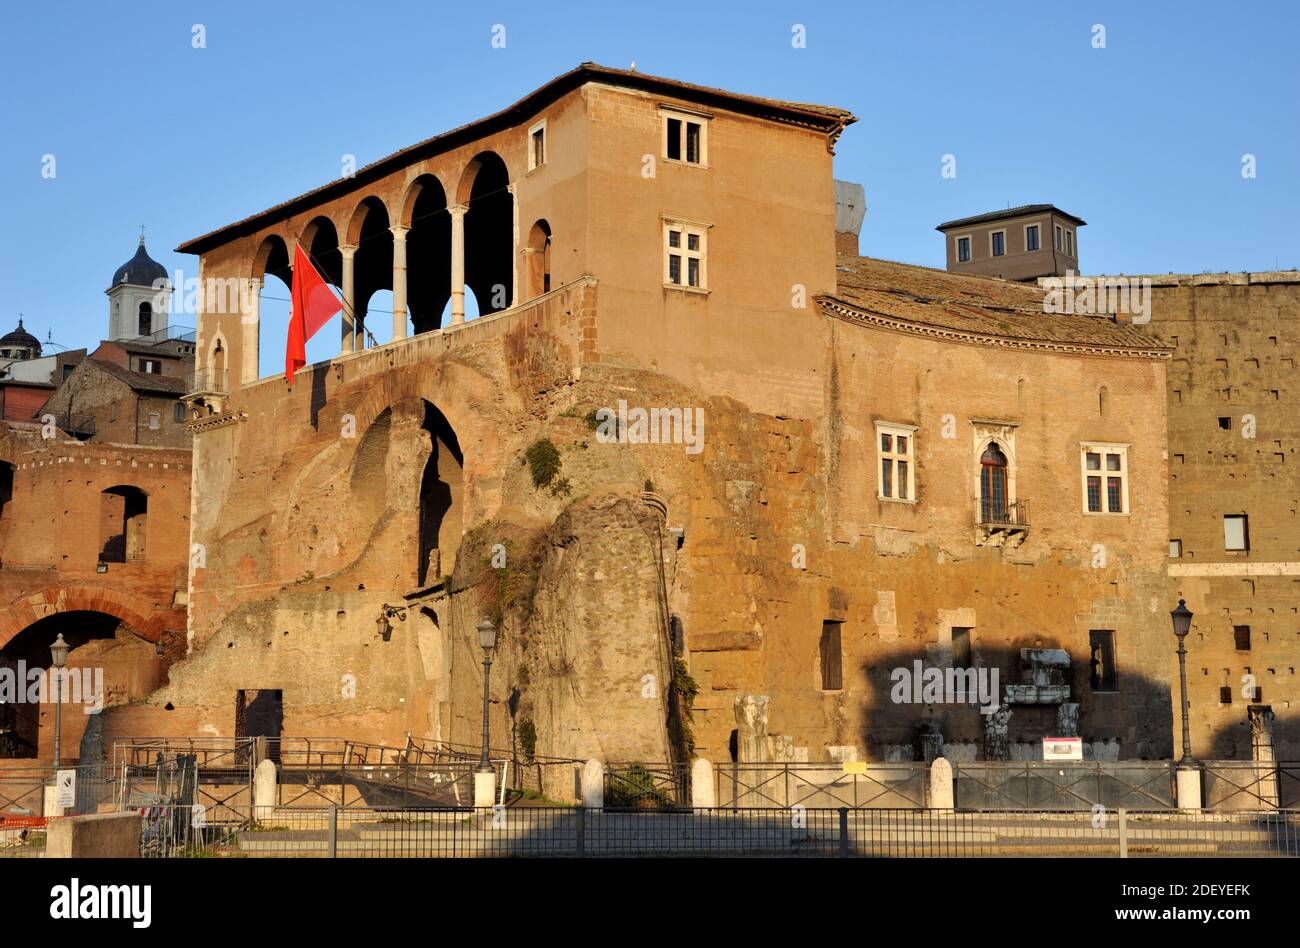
<point x="272" y="260"/>
<point x="145" y="323"/>
<point x="372" y="270"/>
<point x="320" y="241"/>
<point x="993" y="485"/>
<point x="538" y="256"/>
<point x="6" y="498"/>
<point x="428" y="253"/>
<point x="441" y="499"/>
<point x="1103" y="401"/>
<point x="105" y="666"/>
<point x="217" y="367"/>
<point x="489" y="232"/>
<point x="123" y="514"/>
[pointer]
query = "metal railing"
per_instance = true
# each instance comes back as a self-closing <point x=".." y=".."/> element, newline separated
<point x="208" y="379"/>
<point x="76" y="424"/>
<point x="1251" y="785"/>
<point x="338" y="832"/>
<point x="1065" y="785"/>
<point x="637" y="785"/>
<point x="990" y="513"/>
<point x="814" y="785"/>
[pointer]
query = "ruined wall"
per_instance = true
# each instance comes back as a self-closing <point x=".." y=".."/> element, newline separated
<point x="1234" y="426"/>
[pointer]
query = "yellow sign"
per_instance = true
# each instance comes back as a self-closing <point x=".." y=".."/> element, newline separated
<point x="855" y="766"/>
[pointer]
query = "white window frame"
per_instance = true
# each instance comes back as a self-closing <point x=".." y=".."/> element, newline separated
<point x="684" y="116"/>
<point x="994" y="233"/>
<point x="895" y="430"/>
<point x="1102" y="449"/>
<point x="533" y="163"/>
<point x="970" y="248"/>
<point x="1037" y="225"/>
<point x="687" y="228"/>
<point x="1245" y="534"/>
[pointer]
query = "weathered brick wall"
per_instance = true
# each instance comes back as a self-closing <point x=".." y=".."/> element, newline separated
<point x="1238" y="340"/>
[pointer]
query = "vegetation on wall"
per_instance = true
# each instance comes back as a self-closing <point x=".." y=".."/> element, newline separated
<point x="544" y="463"/>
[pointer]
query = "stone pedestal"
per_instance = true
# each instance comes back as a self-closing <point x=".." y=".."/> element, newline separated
<point x="942" y="796"/>
<point x="264" y="787"/>
<point x="485" y="788"/>
<point x="704" y="793"/>
<point x="593" y="784"/>
<point x="1189" y="788"/>
<point x="751" y="728"/>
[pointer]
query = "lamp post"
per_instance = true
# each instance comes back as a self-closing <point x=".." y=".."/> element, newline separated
<point x="484" y="777"/>
<point x="1188" y="777"/>
<point x="1182" y="619"/>
<point x="58" y="659"/>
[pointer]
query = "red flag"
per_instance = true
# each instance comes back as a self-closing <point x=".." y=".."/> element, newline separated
<point x="314" y="304"/>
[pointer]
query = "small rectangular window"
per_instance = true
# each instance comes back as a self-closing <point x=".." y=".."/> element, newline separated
<point x="1175" y="549"/>
<point x="1241" y="638"/>
<point x="1057" y="231"/>
<point x="963" y="250"/>
<point x="896" y="455"/>
<point x="998" y="243"/>
<point x="1031" y="238"/>
<point x="832" y="659"/>
<point x="1225" y="694"/>
<point x="684" y="255"/>
<point x="1101" y="663"/>
<point x="1069" y="243"/>
<point x="1236" y="533"/>
<point x="537" y="146"/>
<point x="686" y="138"/>
<point x="178" y="411"/>
<point x="961" y="648"/>
<point x="1105" y="478"/>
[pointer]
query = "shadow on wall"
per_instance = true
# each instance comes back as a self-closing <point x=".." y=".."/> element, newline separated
<point x="1048" y="691"/>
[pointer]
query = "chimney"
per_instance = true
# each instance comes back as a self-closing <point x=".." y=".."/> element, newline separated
<point x="850" y="209"/>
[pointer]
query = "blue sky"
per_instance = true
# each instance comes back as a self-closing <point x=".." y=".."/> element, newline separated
<point x="1144" y="138"/>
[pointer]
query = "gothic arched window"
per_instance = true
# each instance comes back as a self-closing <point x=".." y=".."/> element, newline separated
<point x="993" y="485"/>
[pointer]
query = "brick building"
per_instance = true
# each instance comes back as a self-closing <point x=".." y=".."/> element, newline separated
<point x="845" y="456"/>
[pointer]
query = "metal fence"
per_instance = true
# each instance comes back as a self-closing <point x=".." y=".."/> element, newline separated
<point x="1248" y="785"/>
<point x="647" y="786"/>
<point x="1065" y="785"/>
<point x="720" y="832"/>
<point x="817" y="785"/>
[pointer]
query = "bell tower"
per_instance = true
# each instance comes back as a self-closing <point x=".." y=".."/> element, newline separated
<point x="139" y="298"/>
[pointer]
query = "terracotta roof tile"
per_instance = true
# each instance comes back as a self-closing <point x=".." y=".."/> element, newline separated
<point x="982" y="306"/>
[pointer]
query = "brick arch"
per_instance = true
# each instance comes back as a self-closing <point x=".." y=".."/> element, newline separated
<point x="80" y="598"/>
<point x="398" y="386"/>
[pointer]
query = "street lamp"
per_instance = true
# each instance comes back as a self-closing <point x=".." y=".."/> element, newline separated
<point x="484" y="778"/>
<point x="58" y="659"/>
<point x="1182" y="619"/>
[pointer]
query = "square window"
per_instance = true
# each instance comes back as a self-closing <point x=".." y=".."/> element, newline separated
<point x="686" y="138"/>
<point x="1236" y="533"/>
<point x="1225" y="424"/>
<point x="1105" y="492"/>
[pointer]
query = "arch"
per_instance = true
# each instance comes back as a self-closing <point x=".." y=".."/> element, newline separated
<point x="272" y="259"/>
<point x="1103" y="401"/>
<point x="428" y="252"/>
<point x="320" y="241"/>
<point x="538" y="255"/>
<point x="489" y="231"/>
<point x="112" y="601"/>
<point x="441" y="499"/>
<point x="123" y="516"/>
<point x="368" y="232"/>
<point x="144" y="316"/>
<point x="994" y="495"/>
<point x="217" y="363"/>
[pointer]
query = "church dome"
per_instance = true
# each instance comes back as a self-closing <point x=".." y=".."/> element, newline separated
<point x="140" y="270"/>
<point x="20" y="339"/>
